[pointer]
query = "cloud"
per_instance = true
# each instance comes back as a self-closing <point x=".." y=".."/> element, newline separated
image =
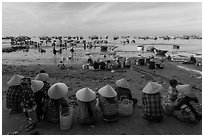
<point x="81" y="17"/>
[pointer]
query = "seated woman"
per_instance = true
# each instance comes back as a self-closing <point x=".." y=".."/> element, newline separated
<point x="192" y="60"/>
<point x="56" y="101"/>
<point x="102" y="65"/>
<point x="187" y="108"/>
<point x="160" y="64"/>
<point x="61" y="65"/>
<point x="108" y="65"/>
<point x="151" y="99"/>
<point x="123" y="89"/>
<point x="14" y="93"/>
<point x="108" y="103"/>
<point x="152" y="63"/>
<point x="87" y="105"/>
<point x="96" y="65"/>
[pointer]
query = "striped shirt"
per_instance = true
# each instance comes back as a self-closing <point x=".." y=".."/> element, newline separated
<point x="109" y="107"/>
<point x="152" y="105"/>
<point x="14" y="97"/>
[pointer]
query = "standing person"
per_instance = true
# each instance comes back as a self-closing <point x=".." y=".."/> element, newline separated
<point x="108" y="103"/>
<point x="28" y="103"/>
<point x="151" y="99"/>
<point x="123" y="90"/>
<point x="14" y="93"/>
<point x="56" y="101"/>
<point x="87" y="104"/>
<point x="187" y="108"/>
<point x="72" y="52"/>
<point x="84" y="42"/>
<point x="127" y="63"/>
<point x="37" y="87"/>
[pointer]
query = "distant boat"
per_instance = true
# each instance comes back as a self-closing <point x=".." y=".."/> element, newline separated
<point x="140" y="47"/>
<point x="150" y="49"/>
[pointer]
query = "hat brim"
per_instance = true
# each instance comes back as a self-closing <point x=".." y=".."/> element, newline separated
<point x="107" y="91"/>
<point x="85" y="95"/>
<point x="37" y="86"/>
<point x="58" y="91"/>
<point x="15" y="80"/>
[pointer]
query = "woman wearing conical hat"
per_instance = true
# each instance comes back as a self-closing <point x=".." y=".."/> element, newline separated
<point x="43" y="76"/>
<point x="187" y="108"/>
<point x="108" y="103"/>
<point x="123" y="90"/>
<point x="14" y="93"/>
<point x="37" y="87"/>
<point x="151" y="99"/>
<point x="87" y="104"/>
<point x="56" y="94"/>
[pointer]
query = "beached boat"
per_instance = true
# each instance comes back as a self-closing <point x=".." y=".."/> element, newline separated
<point x="140" y="48"/>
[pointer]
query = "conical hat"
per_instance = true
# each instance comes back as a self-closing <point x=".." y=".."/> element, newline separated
<point x="152" y="87"/>
<point x="122" y="83"/>
<point x="57" y="90"/>
<point x="107" y="91"/>
<point x="42" y="77"/>
<point x="15" y="80"/>
<point x="186" y="90"/>
<point x="85" y="95"/>
<point x="36" y="85"/>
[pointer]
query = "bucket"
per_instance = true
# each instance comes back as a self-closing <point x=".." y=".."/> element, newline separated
<point x="66" y="115"/>
<point x="141" y="62"/>
<point x="152" y="65"/>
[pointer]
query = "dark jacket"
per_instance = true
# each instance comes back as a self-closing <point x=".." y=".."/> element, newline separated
<point x="123" y="92"/>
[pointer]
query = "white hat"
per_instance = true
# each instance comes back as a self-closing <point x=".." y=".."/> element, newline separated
<point x="107" y="91"/>
<point x="36" y="85"/>
<point x="15" y="80"/>
<point x="85" y="95"/>
<point x="122" y="83"/>
<point x="57" y="90"/>
<point x="42" y="77"/>
<point x="152" y="87"/>
<point x="186" y="90"/>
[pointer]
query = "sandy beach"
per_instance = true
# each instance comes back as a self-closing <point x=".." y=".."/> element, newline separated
<point x="76" y="78"/>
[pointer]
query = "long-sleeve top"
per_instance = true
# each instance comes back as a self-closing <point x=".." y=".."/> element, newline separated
<point x="152" y="105"/>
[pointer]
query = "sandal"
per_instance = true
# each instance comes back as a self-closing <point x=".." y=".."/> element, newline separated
<point x="31" y="127"/>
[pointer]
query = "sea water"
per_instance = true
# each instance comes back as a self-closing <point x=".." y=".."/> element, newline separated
<point x="187" y="48"/>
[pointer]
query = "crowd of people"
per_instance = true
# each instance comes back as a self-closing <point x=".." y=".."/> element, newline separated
<point x="41" y="101"/>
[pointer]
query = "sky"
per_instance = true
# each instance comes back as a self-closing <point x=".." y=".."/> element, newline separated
<point x="101" y="18"/>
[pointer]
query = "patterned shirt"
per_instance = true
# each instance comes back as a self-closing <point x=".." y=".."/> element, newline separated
<point x="28" y="101"/>
<point x="14" y="97"/>
<point x="45" y="89"/>
<point x="172" y="94"/>
<point x="108" y="107"/>
<point x="152" y="104"/>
